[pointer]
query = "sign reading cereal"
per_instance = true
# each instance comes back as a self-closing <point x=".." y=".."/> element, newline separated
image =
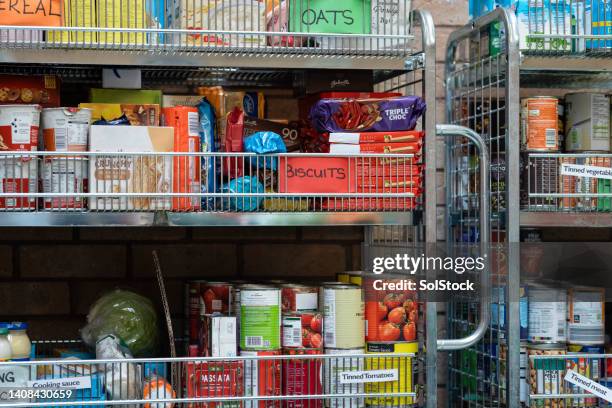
<point x="31" y="13"/>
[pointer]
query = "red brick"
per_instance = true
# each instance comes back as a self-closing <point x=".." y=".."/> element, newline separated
<point x="72" y="261"/>
<point x="6" y="261"/>
<point x="188" y="260"/>
<point x="34" y="298"/>
<point x="245" y="233"/>
<point x="54" y="328"/>
<point x="356" y="257"/>
<point x="133" y="234"/>
<point x="36" y="234"/>
<point x="336" y="233"/>
<point x="293" y="261"/>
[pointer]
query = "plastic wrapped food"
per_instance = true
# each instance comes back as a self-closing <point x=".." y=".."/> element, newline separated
<point x="265" y="143"/>
<point x="243" y="185"/>
<point x="362" y="115"/>
<point x="129" y="316"/>
<point x="157" y="388"/>
<point x="120" y="121"/>
<point x="121" y="380"/>
<point x="207" y="117"/>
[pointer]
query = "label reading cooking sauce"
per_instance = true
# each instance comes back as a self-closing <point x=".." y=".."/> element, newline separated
<point x="260" y="319"/>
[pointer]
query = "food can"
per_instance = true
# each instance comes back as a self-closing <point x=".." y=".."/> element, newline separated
<point x="65" y="129"/>
<point x="216" y="297"/>
<point x="546" y="374"/>
<point x="503" y="364"/>
<point x="539" y="124"/>
<point x="19" y="126"/>
<point x="586" y="314"/>
<point x="302" y="330"/>
<point x="215" y="379"/>
<point x="586" y="366"/>
<point x="403" y="367"/>
<point x="64" y="175"/>
<point x="333" y="367"/>
<point x="343" y="277"/>
<point x="343" y="324"/>
<point x="547" y="315"/>
<point x="262" y="377"/>
<point x="302" y="377"/>
<point x="391" y="315"/>
<point x="235" y="294"/>
<point x="539" y="175"/>
<point x="299" y="298"/>
<point x="355" y="277"/>
<point x="322" y="286"/>
<point x="587" y="122"/>
<point x="260" y="317"/>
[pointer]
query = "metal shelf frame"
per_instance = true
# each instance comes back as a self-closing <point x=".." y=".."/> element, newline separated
<point x="483" y="92"/>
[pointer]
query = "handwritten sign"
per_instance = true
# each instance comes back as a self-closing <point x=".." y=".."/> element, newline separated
<point x="588" y="385"/>
<point x="316" y="175"/>
<point x="31" y="12"/>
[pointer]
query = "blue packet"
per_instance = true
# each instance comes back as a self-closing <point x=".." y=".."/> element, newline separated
<point x="265" y="143"/>
<point x="207" y="144"/>
<point x="243" y="185"/>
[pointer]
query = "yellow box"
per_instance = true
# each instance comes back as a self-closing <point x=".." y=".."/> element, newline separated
<point x="77" y="13"/>
<point x="122" y="14"/>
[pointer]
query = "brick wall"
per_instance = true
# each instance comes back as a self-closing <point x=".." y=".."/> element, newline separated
<point x="50" y="276"/>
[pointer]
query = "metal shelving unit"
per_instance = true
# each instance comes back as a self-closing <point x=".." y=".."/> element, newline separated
<point x="488" y="68"/>
<point x="401" y="58"/>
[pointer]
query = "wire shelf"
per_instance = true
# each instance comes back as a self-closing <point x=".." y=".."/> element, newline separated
<point x="567" y="183"/>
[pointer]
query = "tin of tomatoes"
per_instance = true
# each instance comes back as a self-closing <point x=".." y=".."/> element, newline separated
<point x="391" y="319"/>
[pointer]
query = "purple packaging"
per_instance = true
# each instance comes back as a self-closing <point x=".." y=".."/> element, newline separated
<point x="363" y="115"/>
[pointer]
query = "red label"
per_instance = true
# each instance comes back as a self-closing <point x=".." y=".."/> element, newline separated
<point x="316" y="175"/>
<point x="216" y="298"/>
<point x="302" y="377"/>
<point x="215" y="379"/>
<point x="12" y="185"/>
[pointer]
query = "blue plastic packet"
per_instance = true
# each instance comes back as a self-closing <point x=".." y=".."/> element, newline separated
<point x="207" y="144"/>
<point x="120" y="121"/>
<point x="243" y="185"/>
<point x="265" y="143"/>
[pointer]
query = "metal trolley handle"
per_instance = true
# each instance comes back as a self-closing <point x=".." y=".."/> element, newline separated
<point x="485" y="289"/>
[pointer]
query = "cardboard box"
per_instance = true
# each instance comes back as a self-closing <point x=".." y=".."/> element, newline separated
<point x="180" y="100"/>
<point x="43" y="90"/>
<point x="127" y="96"/>
<point x="122" y="14"/>
<point x="130" y="173"/>
<point x="138" y="115"/>
<point x="391" y="148"/>
<point x="377" y="137"/>
<point x="588" y="122"/>
<point x="288" y="131"/>
<point x="219" y="336"/>
<point x="186" y="178"/>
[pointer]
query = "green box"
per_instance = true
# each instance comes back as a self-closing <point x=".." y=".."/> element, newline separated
<point x="128" y="96"/>
<point x="325" y="16"/>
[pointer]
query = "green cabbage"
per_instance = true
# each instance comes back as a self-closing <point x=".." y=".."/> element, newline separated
<point x="129" y="316"/>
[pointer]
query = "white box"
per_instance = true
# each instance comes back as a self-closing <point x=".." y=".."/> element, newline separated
<point x="131" y="173"/>
<point x="219" y="336"/>
<point x="587" y="122"/>
<point x="550" y="17"/>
